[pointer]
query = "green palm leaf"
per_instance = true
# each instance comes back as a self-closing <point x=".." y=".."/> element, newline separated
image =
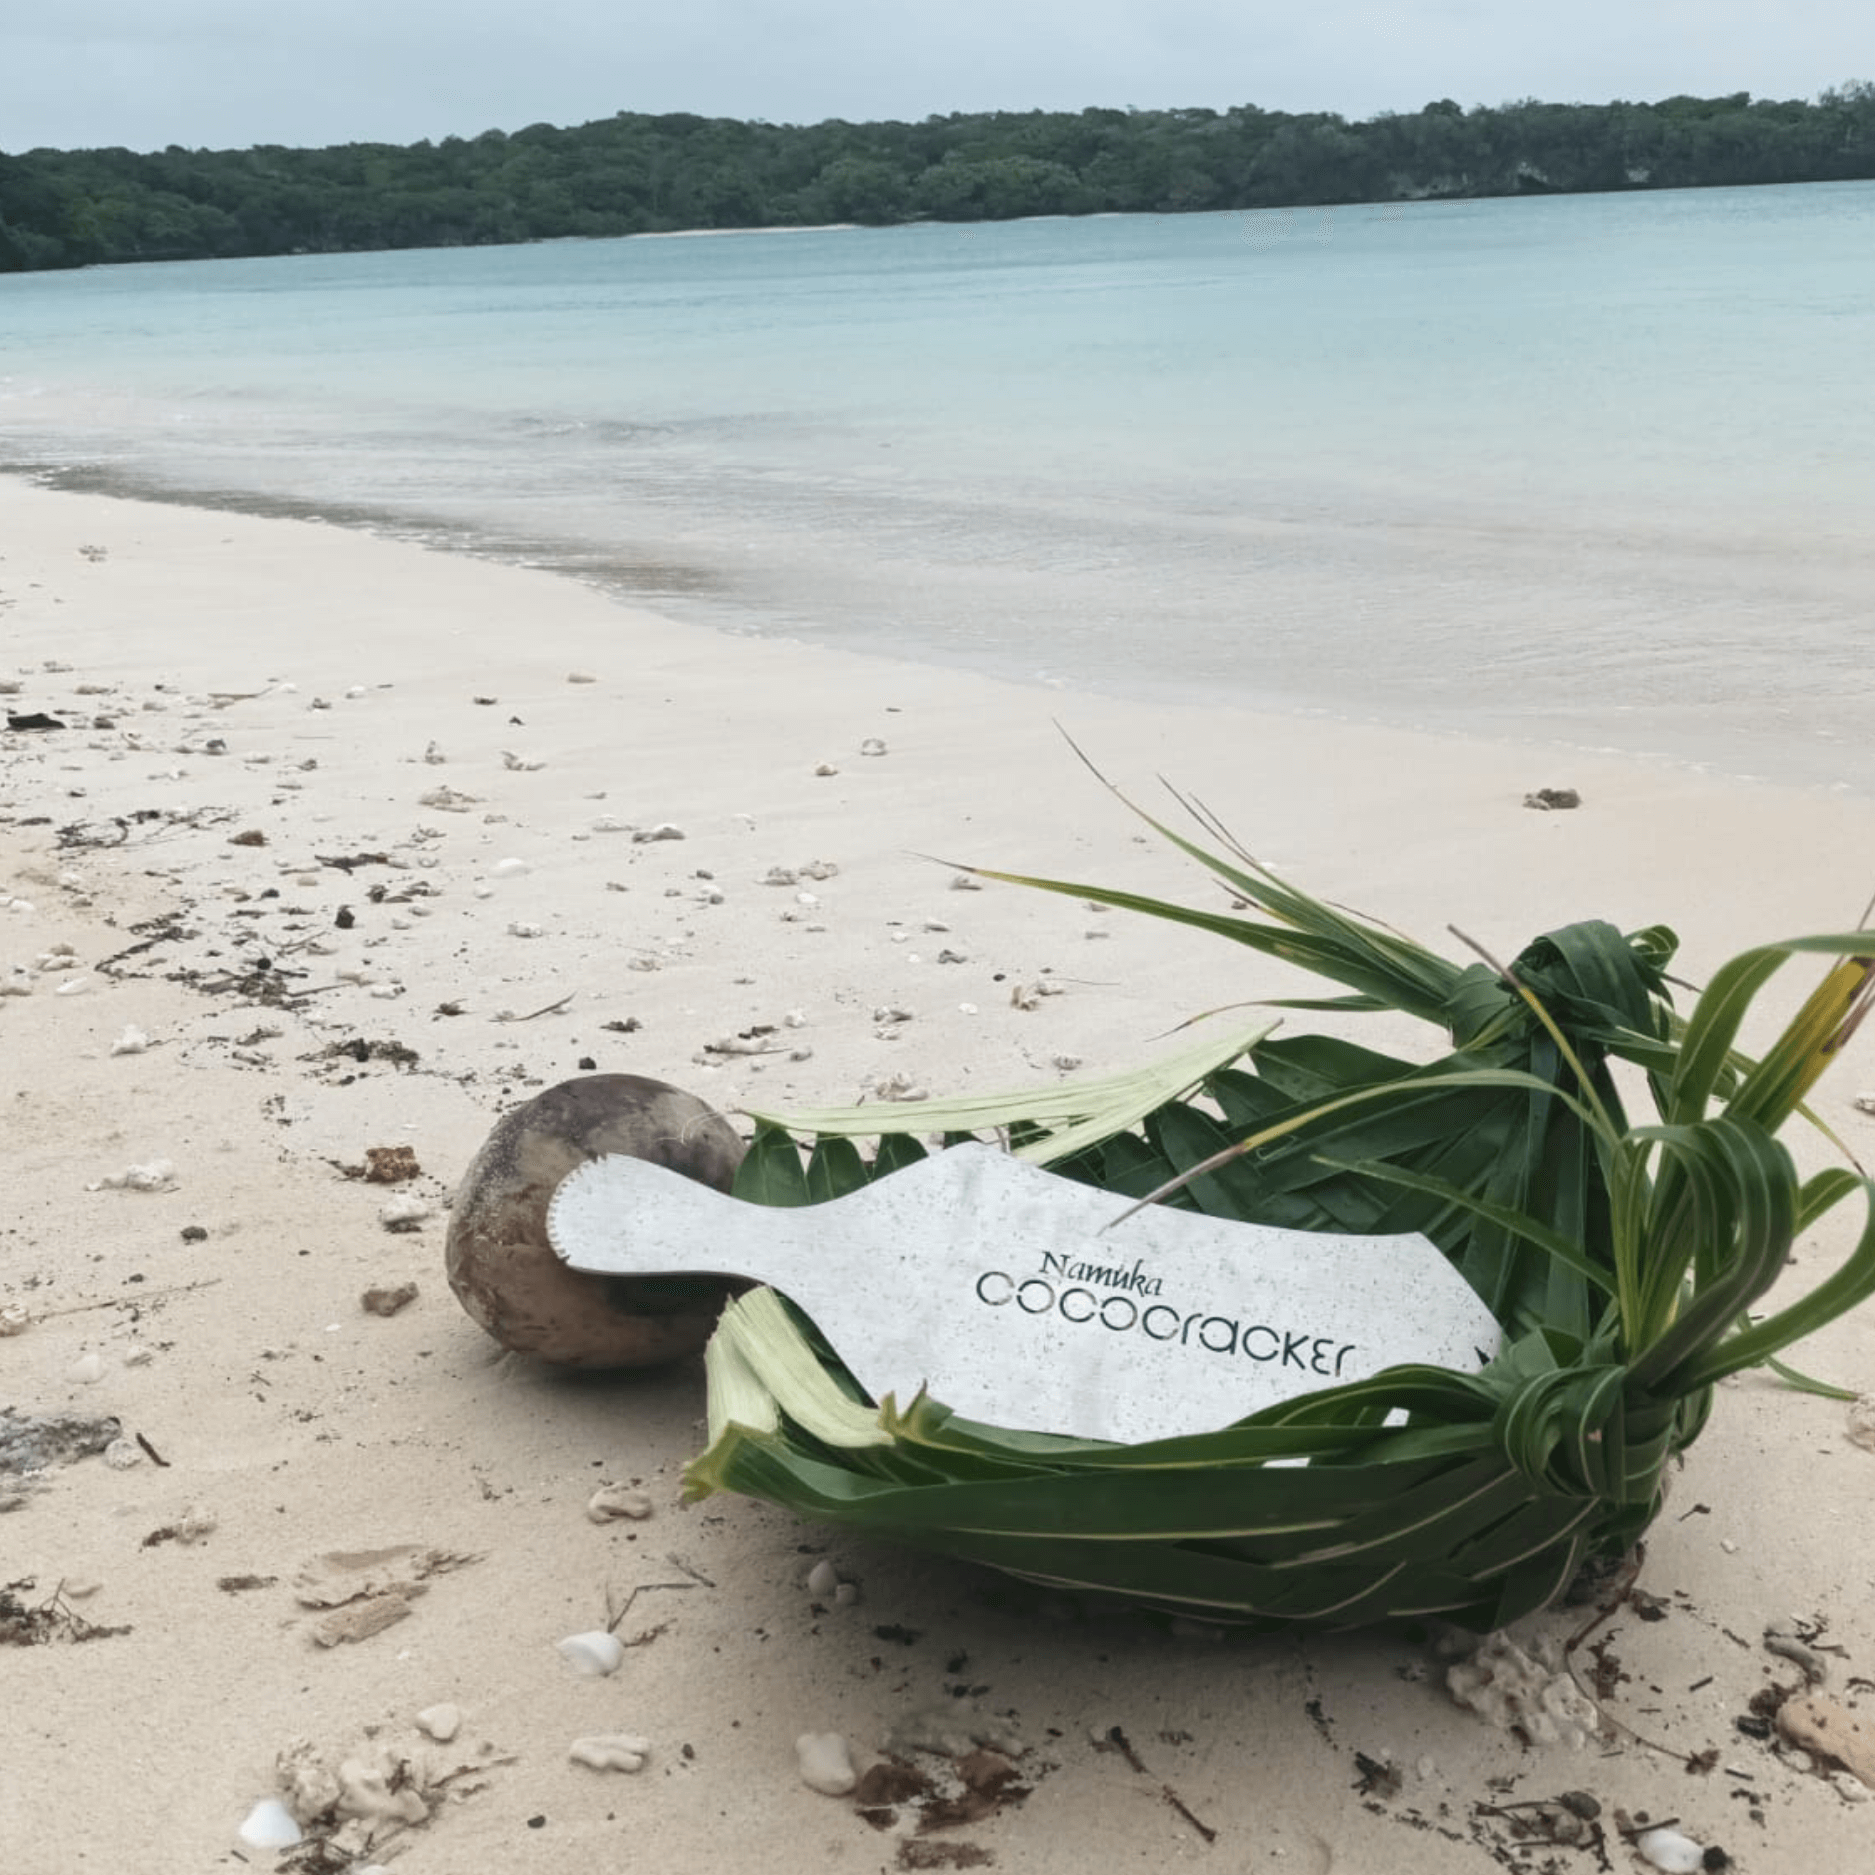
<point x="1623" y="1261"/>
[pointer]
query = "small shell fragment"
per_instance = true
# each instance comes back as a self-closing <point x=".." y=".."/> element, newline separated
<point x="613" y="1501"/>
<point x="157" y="1175"/>
<point x="269" y="1825"/>
<point x="593" y="1655"/>
<point x="826" y="1763"/>
<point x="611" y="1751"/>
<point x="1667" y="1849"/>
<point x="441" y="1723"/>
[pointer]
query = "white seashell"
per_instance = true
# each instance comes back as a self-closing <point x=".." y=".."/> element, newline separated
<point x="123" y="1454"/>
<point x="441" y="1723"/>
<point x="403" y="1212"/>
<point x="87" y="1370"/>
<point x="269" y="1825"/>
<point x="872" y="746"/>
<point x="521" y="929"/>
<point x="611" y="1751"/>
<point x="826" y="1763"/>
<point x="593" y="1655"/>
<point x="822" y="1579"/>
<point x="1667" y="1849"/>
<point x="158" y="1175"/>
<point x="133" y="1041"/>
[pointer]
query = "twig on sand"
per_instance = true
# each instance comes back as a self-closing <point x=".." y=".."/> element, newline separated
<point x="546" y="1011"/>
<point x="127" y="1302"/>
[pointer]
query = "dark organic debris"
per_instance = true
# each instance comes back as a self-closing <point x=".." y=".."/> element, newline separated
<point x="950" y="1793"/>
<point x="388" y="1165"/>
<point x="1550" y="799"/>
<point x="33" y="719"/>
<point x="116" y="831"/>
<point x="924" y="1855"/>
<point x="361" y="1050"/>
<point x="54" y="1619"/>
<point x="1378" y="1777"/>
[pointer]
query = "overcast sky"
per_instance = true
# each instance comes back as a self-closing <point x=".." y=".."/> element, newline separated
<point x="223" y="74"/>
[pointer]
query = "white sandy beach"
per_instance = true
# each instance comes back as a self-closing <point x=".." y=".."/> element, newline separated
<point x="255" y="714"/>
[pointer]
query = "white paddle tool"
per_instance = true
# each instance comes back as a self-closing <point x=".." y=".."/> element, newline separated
<point x="1015" y="1298"/>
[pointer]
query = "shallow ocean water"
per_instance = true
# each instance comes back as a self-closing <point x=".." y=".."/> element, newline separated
<point x="1591" y="470"/>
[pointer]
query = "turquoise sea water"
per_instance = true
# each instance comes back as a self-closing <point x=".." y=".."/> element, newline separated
<point x="1597" y="469"/>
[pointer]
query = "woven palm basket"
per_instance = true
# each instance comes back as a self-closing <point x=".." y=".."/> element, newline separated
<point x="1622" y="1261"/>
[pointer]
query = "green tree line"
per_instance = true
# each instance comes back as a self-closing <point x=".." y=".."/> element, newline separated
<point x="635" y="174"/>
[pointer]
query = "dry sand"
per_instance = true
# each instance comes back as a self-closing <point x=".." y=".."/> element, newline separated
<point x="259" y="715"/>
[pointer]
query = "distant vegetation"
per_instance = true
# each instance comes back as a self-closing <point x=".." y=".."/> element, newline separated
<point x="633" y="174"/>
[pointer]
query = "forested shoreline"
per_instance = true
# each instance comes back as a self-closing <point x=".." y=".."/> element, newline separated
<point x="638" y="174"/>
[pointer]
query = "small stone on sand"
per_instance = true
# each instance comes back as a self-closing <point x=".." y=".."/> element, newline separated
<point x="388" y="1298"/>
<point x="613" y="1501"/>
<point x="826" y="1763"/>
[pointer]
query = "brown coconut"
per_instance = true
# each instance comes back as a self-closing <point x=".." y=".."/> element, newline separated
<point x="502" y="1264"/>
